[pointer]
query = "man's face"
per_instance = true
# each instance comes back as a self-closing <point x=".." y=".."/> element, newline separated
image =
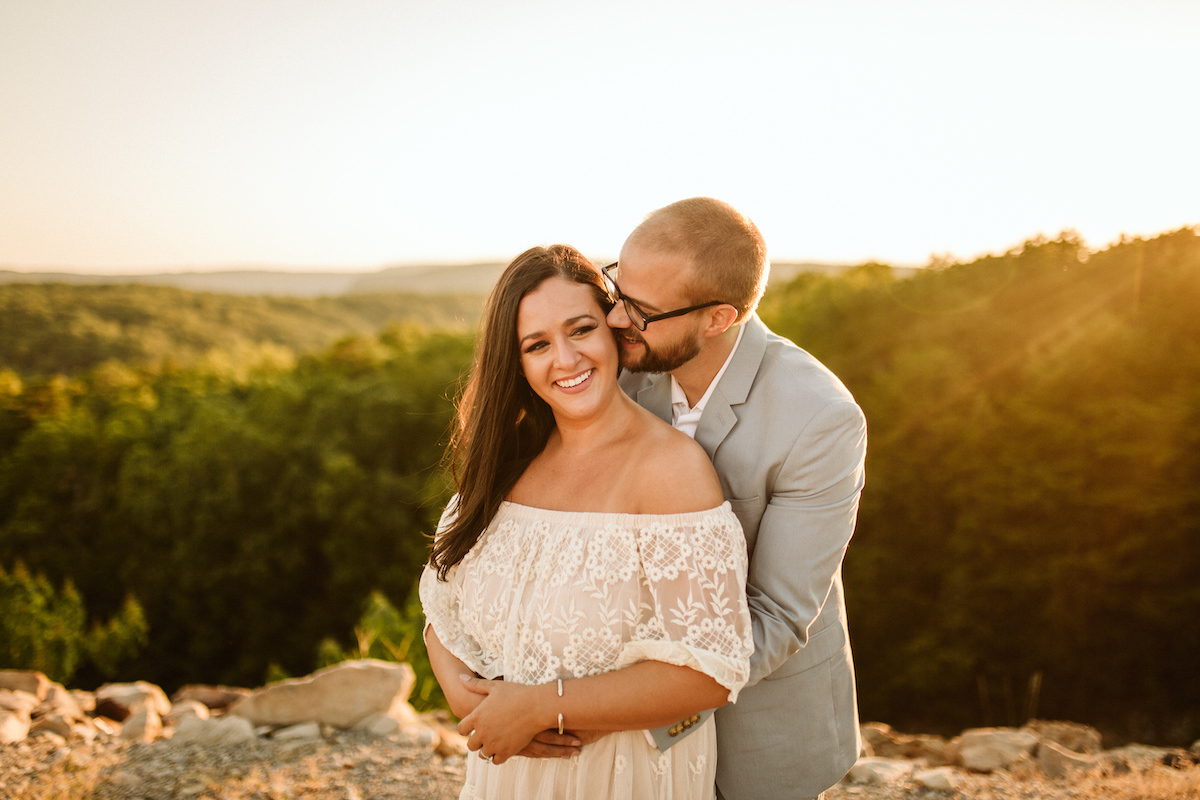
<point x="654" y="282"/>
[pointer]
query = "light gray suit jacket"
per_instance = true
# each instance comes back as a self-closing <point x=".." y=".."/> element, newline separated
<point x="788" y="442"/>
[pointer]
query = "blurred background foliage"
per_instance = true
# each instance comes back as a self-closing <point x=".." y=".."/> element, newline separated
<point x="250" y="510"/>
<point x="258" y="477"/>
<point x="67" y="329"/>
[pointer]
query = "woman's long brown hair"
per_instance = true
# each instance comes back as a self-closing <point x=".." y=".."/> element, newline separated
<point x="501" y="425"/>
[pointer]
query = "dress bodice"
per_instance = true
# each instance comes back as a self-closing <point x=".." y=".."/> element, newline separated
<point x="548" y="594"/>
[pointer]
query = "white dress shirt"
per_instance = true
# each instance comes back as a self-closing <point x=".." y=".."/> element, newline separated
<point x="687" y="418"/>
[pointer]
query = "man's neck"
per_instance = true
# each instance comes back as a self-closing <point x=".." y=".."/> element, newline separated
<point x="695" y="376"/>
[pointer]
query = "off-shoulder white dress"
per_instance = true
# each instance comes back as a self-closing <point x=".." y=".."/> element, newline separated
<point x="555" y="594"/>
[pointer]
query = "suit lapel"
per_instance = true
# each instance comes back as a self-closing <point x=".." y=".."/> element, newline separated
<point x="656" y="397"/>
<point x="719" y="417"/>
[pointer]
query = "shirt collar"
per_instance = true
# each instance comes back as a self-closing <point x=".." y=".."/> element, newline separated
<point x="679" y="403"/>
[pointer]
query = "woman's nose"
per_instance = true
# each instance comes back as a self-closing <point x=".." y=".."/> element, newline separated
<point x="565" y="353"/>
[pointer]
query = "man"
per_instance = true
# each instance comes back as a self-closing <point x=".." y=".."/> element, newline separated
<point x="788" y="442"/>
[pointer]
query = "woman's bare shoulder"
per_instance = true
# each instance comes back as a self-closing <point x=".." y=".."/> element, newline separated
<point x="673" y="473"/>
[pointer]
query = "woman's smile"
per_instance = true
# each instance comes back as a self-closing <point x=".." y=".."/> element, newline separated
<point x="571" y="383"/>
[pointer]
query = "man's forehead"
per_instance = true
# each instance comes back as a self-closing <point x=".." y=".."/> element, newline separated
<point x="640" y="262"/>
<point x="654" y="277"/>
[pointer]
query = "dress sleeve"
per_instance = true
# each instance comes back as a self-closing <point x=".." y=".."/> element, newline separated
<point x="698" y="617"/>
<point x="442" y="604"/>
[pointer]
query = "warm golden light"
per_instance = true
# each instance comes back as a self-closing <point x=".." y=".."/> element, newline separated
<point x="143" y="136"/>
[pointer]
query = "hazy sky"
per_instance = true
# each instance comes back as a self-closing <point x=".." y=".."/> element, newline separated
<point x="151" y="134"/>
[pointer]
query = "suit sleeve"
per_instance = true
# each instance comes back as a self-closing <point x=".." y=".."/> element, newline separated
<point x="804" y="532"/>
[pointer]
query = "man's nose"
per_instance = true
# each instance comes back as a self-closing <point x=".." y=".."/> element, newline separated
<point x="617" y="318"/>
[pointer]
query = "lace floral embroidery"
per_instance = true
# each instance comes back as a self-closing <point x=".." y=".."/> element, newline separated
<point x="551" y="594"/>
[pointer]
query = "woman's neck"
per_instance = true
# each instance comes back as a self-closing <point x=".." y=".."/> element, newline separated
<point x="607" y="427"/>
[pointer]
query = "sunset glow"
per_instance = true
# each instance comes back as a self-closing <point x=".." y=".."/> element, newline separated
<point x="140" y="136"/>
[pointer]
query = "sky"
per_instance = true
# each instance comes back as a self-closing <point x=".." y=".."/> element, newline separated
<point x="143" y="135"/>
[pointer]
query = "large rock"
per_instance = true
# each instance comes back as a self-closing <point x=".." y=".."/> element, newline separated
<point x="85" y="699"/>
<point x="305" y="731"/>
<point x="224" y="730"/>
<point x="1132" y="758"/>
<point x="18" y="700"/>
<point x="402" y="720"/>
<point x="990" y="749"/>
<point x="119" y="700"/>
<point x="25" y="680"/>
<point x="14" y="725"/>
<point x="61" y="703"/>
<point x="875" y="771"/>
<point x="879" y="739"/>
<point x="216" y="698"/>
<point x="51" y="723"/>
<point x="1071" y="735"/>
<point x="183" y="709"/>
<point x="1057" y="761"/>
<point x="941" y="779"/>
<point x="16" y="707"/>
<point x="340" y="695"/>
<point x="875" y="736"/>
<point x="143" y="725"/>
<point x="60" y="713"/>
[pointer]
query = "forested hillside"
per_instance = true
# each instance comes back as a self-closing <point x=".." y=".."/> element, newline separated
<point x="49" y="328"/>
<point x="249" y="515"/>
<point x="1028" y="536"/>
<point x="1026" y="543"/>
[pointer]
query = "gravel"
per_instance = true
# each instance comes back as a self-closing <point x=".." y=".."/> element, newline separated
<point x="358" y="766"/>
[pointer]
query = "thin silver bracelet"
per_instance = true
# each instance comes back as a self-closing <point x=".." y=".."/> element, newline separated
<point x="560" y="720"/>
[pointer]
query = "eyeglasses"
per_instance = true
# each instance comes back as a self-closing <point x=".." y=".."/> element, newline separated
<point x="637" y="316"/>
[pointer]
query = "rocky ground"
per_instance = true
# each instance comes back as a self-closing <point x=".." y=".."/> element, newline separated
<point x="360" y="766"/>
<point x="345" y="766"/>
<point x="347" y="733"/>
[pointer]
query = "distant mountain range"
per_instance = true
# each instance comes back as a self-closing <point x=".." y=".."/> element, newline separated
<point x="441" y="279"/>
<point x="421" y="279"/>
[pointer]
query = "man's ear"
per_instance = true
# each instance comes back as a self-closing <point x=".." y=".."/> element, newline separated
<point x="720" y="319"/>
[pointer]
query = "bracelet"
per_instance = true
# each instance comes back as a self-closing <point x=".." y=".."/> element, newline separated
<point x="560" y="721"/>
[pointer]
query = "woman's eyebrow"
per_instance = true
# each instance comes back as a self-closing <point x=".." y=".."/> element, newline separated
<point x="566" y="324"/>
<point x="573" y="320"/>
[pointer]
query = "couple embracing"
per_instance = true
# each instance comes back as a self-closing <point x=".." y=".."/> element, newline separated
<point x="655" y="493"/>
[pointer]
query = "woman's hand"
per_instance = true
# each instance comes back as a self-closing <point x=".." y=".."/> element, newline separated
<point x="647" y="694"/>
<point x="507" y="720"/>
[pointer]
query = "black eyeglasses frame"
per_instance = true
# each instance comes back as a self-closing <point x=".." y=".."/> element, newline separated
<point x="640" y="318"/>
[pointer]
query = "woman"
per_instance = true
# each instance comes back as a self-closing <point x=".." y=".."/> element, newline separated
<point x="589" y="559"/>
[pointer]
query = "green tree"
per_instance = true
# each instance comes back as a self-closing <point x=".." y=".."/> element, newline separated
<point x="43" y="628"/>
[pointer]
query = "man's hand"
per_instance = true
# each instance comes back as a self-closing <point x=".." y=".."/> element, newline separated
<point x="552" y="744"/>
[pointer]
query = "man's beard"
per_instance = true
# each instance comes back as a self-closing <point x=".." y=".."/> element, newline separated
<point x="670" y="357"/>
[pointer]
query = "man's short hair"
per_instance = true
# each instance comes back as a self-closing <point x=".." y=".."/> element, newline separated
<point x="727" y="253"/>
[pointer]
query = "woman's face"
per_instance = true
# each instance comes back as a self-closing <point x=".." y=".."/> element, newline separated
<point x="568" y="354"/>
